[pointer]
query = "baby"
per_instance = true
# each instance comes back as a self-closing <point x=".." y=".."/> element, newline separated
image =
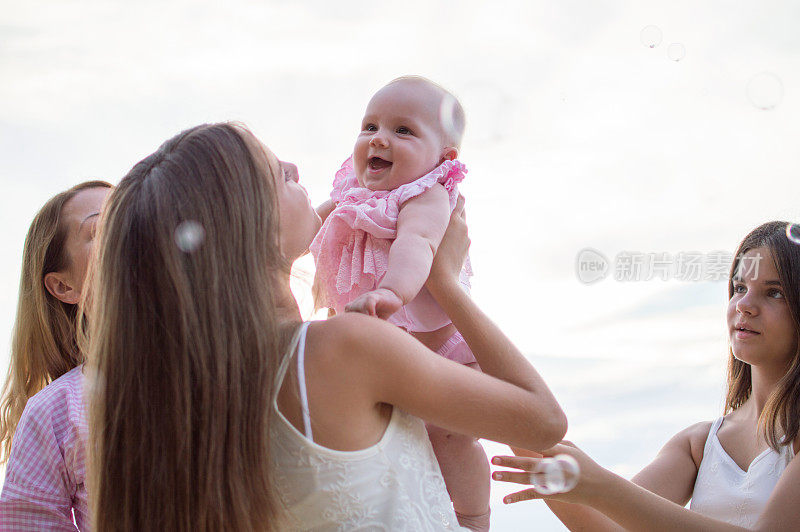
<point x="389" y="208"/>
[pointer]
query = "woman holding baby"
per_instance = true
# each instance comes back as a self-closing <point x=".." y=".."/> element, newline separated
<point x="215" y="407"/>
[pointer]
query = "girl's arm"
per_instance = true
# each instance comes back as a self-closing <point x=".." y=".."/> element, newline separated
<point x="420" y="227"/>
<point x="509" y="402"/>
<point x="635" y="508"/>
<point x="671" y="475"/>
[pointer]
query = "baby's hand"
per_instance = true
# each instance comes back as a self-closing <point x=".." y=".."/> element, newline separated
<point x="381" y="302"/>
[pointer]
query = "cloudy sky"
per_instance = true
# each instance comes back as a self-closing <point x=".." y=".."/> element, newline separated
<point x="579" y="136"/>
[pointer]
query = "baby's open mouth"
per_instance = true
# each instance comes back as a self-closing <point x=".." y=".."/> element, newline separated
<point x="376" y="163"/>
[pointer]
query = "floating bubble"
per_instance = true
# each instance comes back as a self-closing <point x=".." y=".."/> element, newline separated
<point x="450" y="118"/>
<point x="558" y="474"/>
<point x="650" y="36"/>
<point x="676" y="51"/>
<point x="793" y="233"/>
<point x="765" y="90"/>
<point x="189" y="235"/>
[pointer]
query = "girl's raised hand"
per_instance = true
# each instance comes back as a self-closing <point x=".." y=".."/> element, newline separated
<point x="591" y="475"/>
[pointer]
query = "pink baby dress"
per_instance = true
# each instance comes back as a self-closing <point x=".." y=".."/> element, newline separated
<point x="351" y="249"/>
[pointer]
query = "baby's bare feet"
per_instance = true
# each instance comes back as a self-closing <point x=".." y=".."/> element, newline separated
<point x="380" y="302"/>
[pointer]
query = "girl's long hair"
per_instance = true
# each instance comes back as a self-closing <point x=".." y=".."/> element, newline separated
<point x="780" y="419"/>
<point x="43" y="345"/>
<point x="185" y="339"/>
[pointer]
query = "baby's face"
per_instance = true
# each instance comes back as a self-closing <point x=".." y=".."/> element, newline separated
<point x="401" y="139"/>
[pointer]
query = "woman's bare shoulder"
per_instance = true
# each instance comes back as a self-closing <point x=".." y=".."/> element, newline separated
<point x="351" y="334"/>
<point x="348" y="327"/>
<point x="694" y="438"/>
<point x="698" y="432"/>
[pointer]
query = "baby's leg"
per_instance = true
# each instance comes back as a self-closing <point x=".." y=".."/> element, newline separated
<point x="465" y="469"/>
<point x="461" y="458"/>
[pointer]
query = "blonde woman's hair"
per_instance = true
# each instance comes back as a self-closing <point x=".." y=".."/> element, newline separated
<point x="43" y="345"/>
<point x="185" y="340"/>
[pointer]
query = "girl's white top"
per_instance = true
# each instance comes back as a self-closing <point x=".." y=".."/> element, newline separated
<point x="725" y="492"/>
<point x="393" y="485"/>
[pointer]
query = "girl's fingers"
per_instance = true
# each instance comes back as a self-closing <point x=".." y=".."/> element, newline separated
<point x="517" y="462"/>
<point x="519" y="451"/>
<point x="524" y="495"/>
<point x="560" y="448"/>
<point x="515" y="477"/>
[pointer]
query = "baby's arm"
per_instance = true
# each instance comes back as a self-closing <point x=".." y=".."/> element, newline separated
<point x="325" y="208"/>
<point x="420" y="227"/>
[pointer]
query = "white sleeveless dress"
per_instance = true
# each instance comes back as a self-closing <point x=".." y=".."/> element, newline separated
<point x="393" y="485"/>
<point x="725" y="492"/>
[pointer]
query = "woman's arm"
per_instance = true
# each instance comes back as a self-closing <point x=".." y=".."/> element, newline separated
<point x="635" y="508"/>
<point x="509" y="402"/>
<point x="37" y="494"/>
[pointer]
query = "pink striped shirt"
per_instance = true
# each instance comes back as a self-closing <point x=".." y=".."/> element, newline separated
<point x="45" y="472"/>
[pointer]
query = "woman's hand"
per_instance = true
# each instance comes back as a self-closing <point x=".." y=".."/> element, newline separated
<point x="591" y="478"/>
<point x="451" y="253"/>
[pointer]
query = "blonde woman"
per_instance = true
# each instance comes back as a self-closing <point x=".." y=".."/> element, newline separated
<point x="42" y="413"/>
<point x="216" y="408"/>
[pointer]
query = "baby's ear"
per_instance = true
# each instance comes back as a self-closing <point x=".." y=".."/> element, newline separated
<point x="449" y="154"/>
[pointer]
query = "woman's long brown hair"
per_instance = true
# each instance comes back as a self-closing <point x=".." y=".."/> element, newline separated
<point x="43" y="345"/>
<point x="185" y="344"/>
<point x="781" y="415"/>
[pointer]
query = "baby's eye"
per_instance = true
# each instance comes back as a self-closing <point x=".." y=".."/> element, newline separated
<point x="403" y="130"/>
<point x="739" y="288"/>
<point x="370" y="127"/>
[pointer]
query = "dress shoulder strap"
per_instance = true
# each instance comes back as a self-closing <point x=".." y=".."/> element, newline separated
<point x="711" y="433"/>
<point x="301" y="381"/>
<point x="287" y="356"/>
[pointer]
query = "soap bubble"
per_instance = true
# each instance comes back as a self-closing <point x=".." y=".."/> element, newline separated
<point x="189" y="236"/>
<point x="558" y="474"/>
<point x="448" y="116"/>
<point x="793" y="232"/>
<point x="765" y="90"/>
<point x="676" y="51"/>
<point x="650" y="36"/>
